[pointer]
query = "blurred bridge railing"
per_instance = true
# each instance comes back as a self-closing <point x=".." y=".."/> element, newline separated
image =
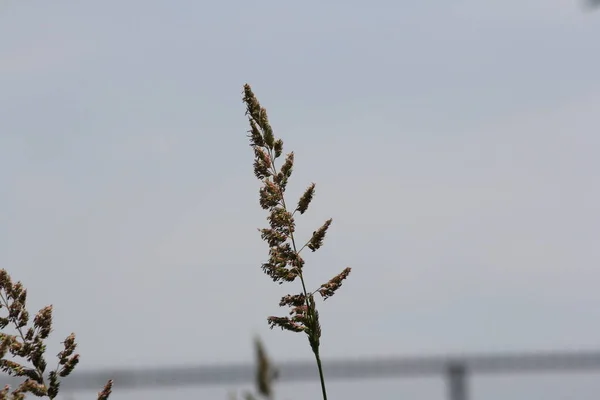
<point x="456" y="369"/>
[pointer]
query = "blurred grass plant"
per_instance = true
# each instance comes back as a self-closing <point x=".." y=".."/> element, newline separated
<point x="264" y="377"/>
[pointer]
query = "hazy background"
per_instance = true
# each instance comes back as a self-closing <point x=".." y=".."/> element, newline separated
<point x="454" y="143"/>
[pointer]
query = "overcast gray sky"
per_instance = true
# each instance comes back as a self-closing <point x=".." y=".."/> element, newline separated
<point x="454" y="143"/>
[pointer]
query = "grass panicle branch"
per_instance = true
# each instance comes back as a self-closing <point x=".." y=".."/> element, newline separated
<point x="28" y="348"/>
<point x="285" y="263"/>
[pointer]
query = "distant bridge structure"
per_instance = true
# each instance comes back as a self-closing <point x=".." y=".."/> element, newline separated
<point x="456" y="369"/>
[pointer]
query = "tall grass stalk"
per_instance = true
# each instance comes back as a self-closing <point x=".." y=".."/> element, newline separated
<point x="285" y="263"/>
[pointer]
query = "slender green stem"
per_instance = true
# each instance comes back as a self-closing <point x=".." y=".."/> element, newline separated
<point x="315" y="350"/>
<point x="318" y="357"/>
